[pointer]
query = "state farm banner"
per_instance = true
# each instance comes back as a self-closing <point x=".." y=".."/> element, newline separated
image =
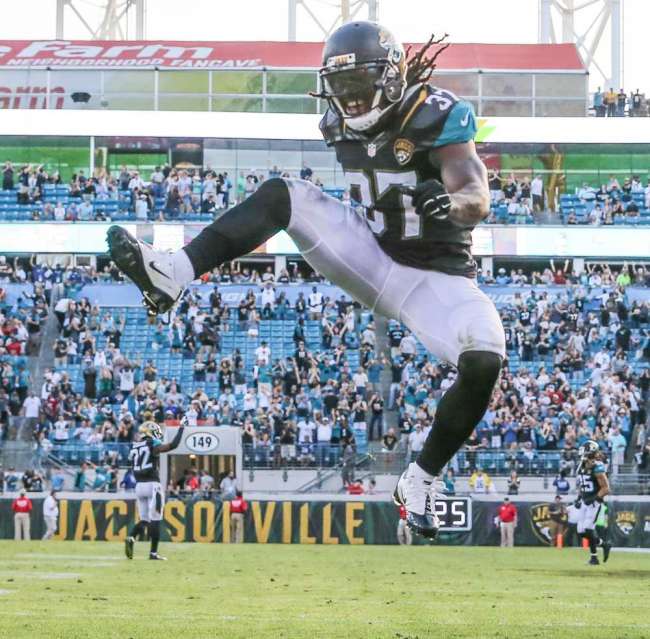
<point x="158" y="53"/>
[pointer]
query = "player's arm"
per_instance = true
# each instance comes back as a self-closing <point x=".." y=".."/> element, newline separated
<point x="465" y="179"/>
<point x="603" y="486"/>
<point x="167" y="446"/>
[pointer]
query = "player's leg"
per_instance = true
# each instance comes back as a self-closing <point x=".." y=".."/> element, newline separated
<point x="587" y="530"/>
<point x="156" y="506"/>
<point x="605" y="544"/>
<point x="142" y="496"/>
<point x="333" y="238"/>
<point x="458" y="323"/>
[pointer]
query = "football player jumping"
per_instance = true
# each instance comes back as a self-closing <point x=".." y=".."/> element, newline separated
<point x="407" y="151"/>
<point x="593" y="486"/>
<point x="145" y="457"/>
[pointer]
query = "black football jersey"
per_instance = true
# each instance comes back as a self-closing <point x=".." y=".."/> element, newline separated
<point x="586" y="481"/>
<point x="399" y="155"/>
<point x="144" y="461"/>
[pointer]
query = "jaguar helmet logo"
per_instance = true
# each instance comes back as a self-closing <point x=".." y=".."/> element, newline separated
<point x="403" y="150"/>
<point x="625" y="521"/>
<point x="542" y="523"/>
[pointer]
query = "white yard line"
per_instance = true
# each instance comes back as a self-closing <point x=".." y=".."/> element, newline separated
<point x="56" y="557"/>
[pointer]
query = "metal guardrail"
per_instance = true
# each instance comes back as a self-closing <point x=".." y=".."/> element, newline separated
<point x="327" y="456"/>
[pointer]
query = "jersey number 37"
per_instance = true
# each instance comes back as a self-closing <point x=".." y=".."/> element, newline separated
<point x="371" y="188"/>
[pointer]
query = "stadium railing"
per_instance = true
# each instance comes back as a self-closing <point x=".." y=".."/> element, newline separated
<point x="276" y="456"/>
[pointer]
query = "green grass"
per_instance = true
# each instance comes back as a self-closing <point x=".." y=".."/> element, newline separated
<point x="75" y="590"/>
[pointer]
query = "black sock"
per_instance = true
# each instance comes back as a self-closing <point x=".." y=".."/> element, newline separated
<point x="593" y="541"/>
<point x="154" y="533"/>
<point x="139" y="529"/>
<point x="243" y="228"/>
<point x="460" y="409"/>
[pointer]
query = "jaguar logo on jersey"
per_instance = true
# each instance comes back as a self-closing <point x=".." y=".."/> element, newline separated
<point x="625" y="521"/>
<point x="403" y="150"/>
<point x="542" y="523"/>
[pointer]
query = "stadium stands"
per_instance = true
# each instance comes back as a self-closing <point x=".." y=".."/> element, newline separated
<point x="193" y="196"/>
<point x="577" y="367"/>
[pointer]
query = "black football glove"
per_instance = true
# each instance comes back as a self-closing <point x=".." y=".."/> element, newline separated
<point x="588" y="501"/>
<point x="430" y="199"/>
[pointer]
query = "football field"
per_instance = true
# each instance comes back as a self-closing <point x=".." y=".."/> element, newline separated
<point x="75" y="590"/>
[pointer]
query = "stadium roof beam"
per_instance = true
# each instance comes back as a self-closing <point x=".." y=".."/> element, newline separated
<point x="596" y="15"/>
<point x="320" y="12"/>
<point x="113" y="20"/>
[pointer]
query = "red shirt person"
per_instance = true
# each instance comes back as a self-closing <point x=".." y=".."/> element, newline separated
<point x="22" y="507"/>
<point x="507" y="523"/>
<point x="238" y="506"/>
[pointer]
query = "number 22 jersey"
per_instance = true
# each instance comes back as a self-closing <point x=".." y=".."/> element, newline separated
<point x="144" y="461"/>
<point x="399" y="155"/>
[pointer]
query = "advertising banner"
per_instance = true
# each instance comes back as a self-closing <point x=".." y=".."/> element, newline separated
<point x="326" y="522"/>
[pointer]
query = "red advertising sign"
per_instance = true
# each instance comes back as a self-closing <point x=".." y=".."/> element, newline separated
<point x="227" y="55"/>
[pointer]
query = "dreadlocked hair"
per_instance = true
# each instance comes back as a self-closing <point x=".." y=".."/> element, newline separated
<point x="421" y="66"/>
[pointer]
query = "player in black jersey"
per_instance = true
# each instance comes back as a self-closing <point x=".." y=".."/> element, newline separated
<point x="403" y="249"/>
<point x="593" y="487"/>
<point x="145" y="459"/>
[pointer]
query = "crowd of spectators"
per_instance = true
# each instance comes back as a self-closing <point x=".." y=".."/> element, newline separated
<point x="520" y="200"/>
<point x="169" y="194"/>
<point x="573" y="372"/>
<point x="618" y="104"/>
<point x="166" y="194"/>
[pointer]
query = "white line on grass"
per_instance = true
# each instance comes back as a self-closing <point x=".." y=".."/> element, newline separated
<point x="57" y="557"/>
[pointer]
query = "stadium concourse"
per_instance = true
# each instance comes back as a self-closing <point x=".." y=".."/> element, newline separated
<point x="310" y="379"/>
<point x="36" y="193"/>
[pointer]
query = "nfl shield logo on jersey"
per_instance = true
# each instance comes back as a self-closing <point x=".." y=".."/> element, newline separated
<point x="372" y="150"/>
<point x="403" y="150"/>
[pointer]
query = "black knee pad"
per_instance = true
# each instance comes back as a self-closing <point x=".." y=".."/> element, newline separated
<point x="277" y="201"/>
<point x="479" y="368"/>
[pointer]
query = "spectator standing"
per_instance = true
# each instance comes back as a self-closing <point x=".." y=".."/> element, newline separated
<point x="537" y="193"/>
<point x="610" y="102"/>
<point x="480" y="482"/>
<point x="376" y="417"/>
<point x="617" y="444"/>
<point x="621" y="102"/>
<point x="513" y="483"/>
<point x="599" y="103"/>
<point x="507" y="523"/>
<point x="238" y="507"/>
<point x="22" y="507"/>
<point x="315" y="302"/>
<point x="50" y="514"/>
<point x="8" y="177"/>
<point x="561" y="484"/>
<point x="404" y="535"/>
<point x="228" y="487"/>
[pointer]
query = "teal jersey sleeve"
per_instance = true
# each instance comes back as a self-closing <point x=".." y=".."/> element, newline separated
<point x="460" y="125"/>
<point x="157" y="442"/>
<point x="598" y="468"/>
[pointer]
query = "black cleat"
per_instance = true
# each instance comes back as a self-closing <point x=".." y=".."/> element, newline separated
<point x="593" y="561"/>
<point x="129" y="542"/>
<point x="607" y="548"/>
<point x="157" y="557"/>
<point x="152" y="271"/>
